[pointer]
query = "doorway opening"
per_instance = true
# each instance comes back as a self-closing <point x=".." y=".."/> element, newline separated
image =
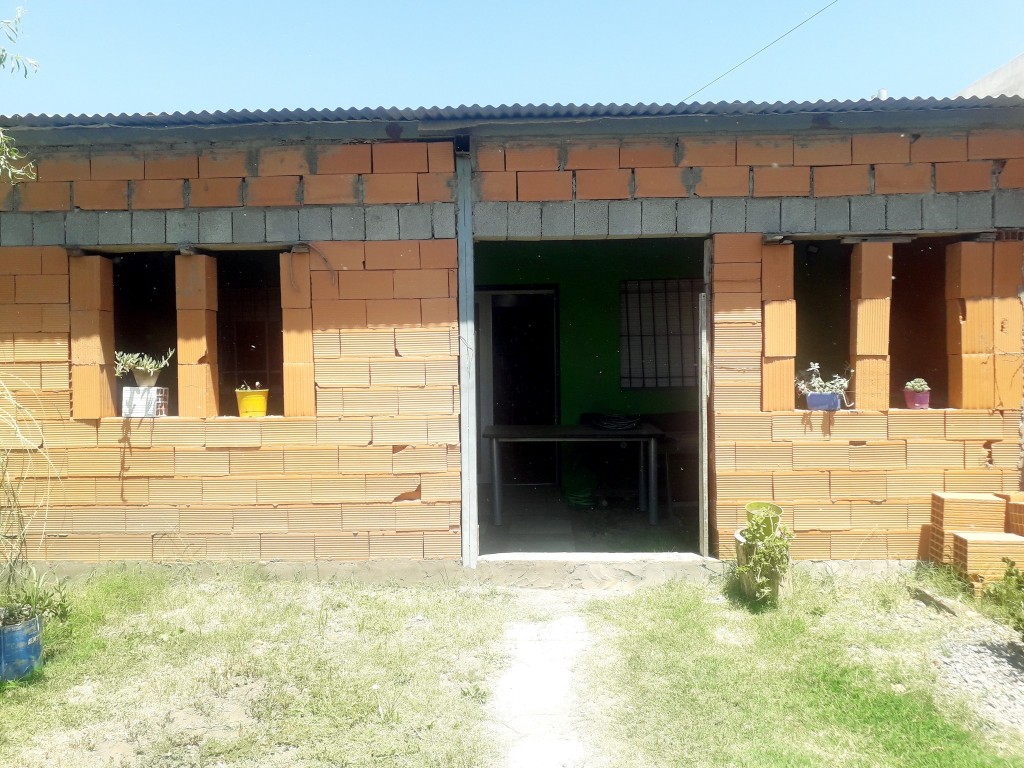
<point x="575" y="341"/>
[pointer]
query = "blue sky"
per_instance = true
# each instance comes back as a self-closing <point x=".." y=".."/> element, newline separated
<point x="120" y="56"/>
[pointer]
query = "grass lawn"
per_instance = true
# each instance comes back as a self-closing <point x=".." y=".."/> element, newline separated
<point x="838" y="675"/>
<point x="229" y="666"/>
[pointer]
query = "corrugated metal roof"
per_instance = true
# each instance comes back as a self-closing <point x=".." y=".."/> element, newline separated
<point x="507" y="112"/>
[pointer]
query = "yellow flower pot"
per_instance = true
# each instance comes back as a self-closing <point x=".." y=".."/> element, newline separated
<point x="252" y="403"/>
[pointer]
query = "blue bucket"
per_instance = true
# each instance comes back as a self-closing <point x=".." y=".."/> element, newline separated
<point x="21" y="648"/>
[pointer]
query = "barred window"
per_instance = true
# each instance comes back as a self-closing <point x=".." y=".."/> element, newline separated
<point x="658" y="333"/>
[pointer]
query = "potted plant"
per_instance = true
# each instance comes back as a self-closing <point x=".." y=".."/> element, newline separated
<point x="144" y="368"/>
<point x="917" y="394"/>
<point x="252" y="401"/>
<point x="762" y="553"/>
<point x="822" y="395"/>
<point x="146" y="399"/>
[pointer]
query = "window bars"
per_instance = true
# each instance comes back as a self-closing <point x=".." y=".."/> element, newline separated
<point x="658" y="333"/>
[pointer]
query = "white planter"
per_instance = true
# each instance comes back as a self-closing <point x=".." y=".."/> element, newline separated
<point x="144" y="402"/>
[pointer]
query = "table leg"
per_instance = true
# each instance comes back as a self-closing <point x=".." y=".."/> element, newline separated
<point x="652" y="469"/>
<point x="496" y="480"/>
<point x="642" y="480"/>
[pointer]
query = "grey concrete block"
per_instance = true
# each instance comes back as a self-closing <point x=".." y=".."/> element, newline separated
<point x="624" y="218"/>
<point x="149" y="227"/>
<point x="82" y="228"/>
<point x="658" y="217"/>
<point x="938" y="213"/>
<point x="867" y="214"/>
<point x="348" y="222"/>
<point x="414" y="222"/>
<point x="248" y="226"/>
<point x="728" y="214"/>
<point x="904" y="213"/>
<point x="443" y="219"/>
<point x="974" y="211"/>
<point x="1009" y="208"/>
<point x="114" y="227"/>
<point x="524" y="220"/>
<point x="315" y="223"/>
<point x="490" y="220"/>
<point x="382" y="222"/>
<point x="797" y="215"/>
<point x="832" y="214"/>
<point x="48" y="229"/>
<point x="16" y="229"/>
<point x="282" y="225"/>
<point x="764" y="215"/>
<point x="591" y="218"/>
<point x="215" y="226"/>
<point x="182" y="227"/>
<point x="693" y="216"/>
<point x="556" y="220"/>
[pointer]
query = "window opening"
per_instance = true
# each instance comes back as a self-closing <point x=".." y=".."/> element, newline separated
<point x="918" y="338"/>
<point x="658" y="333"/>
<point x="145" y="318"/>
<point x="821" y="285"/>
<point x="249" y="343"/>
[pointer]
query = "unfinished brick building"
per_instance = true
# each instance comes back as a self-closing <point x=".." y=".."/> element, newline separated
<point x="343" y="244"/>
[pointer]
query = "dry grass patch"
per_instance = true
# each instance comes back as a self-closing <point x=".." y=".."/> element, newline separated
<point x="231" y="667"/>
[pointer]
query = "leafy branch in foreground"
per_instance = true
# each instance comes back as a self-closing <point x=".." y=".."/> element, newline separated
<point x="13" y="165"/>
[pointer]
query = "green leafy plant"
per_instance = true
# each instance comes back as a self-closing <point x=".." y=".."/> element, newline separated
<point x="1007" y="595"/>
<point x="126" y="362"/>
<point x="917" y="385"/>
<point x="764" y="560"/>
<point x="34" y="594"/>
<point x="813" y="382"/>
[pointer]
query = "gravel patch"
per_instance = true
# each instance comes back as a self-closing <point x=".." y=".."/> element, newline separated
<point x="984" y="661"/>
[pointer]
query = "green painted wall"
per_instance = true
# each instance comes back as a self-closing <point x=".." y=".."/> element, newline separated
<point x="588" y="276"/>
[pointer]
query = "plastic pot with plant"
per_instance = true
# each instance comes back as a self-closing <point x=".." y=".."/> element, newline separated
<point x="252" y="401"/>
<point x="822" y="394"/>
<point x="917" y="394"/>
<point x="144" y="368"/>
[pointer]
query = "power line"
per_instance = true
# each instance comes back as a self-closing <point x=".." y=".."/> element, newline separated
<point x="773" y="42"/>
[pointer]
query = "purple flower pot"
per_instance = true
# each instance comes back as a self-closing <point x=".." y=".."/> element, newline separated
<point x="917" y="401"/>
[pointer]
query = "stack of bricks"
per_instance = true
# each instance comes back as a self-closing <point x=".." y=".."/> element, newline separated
<point x="1015" y="515"/>
<point x="778" y="362"/>
<point x="327" y="174"/>
<point x="195" y="277"/>
<point x="978" y="555"/>
<point x="736" y="341"/>
<point x="954" y="513"/>
<point x="871" y="297"/>
<point x="984" y="324"/>
<point x="978" y="534"/>
<point x="34" y="323"/>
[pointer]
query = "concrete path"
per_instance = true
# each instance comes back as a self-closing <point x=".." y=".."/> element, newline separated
<point x="536" y="711"/>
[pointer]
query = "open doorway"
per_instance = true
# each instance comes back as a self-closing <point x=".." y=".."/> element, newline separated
<point x="580" y="336"/>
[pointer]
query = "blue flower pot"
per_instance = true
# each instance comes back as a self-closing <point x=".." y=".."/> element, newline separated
<point x="21" y="648"/>
<point x="823" y="401"/>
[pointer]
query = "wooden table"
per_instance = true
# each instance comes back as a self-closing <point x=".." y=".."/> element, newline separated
<point x="646" y="435"/>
